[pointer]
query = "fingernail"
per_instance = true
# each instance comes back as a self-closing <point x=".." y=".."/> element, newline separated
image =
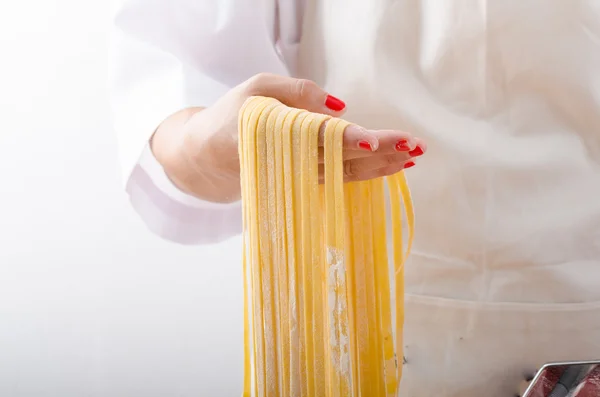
<point x="416" y="152"/>
<point x="365" y="145"/>
<point x="409" y="164"/>
<point x="402" y="146"/>
<point x="334" y="104"/>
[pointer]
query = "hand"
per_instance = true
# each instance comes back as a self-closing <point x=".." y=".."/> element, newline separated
<point x="198" y="148"/>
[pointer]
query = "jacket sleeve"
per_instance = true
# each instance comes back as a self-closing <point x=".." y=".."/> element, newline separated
<point x="167" y="55"/>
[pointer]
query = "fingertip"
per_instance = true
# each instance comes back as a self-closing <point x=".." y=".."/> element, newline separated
<point x="422" y="144"/>
<point x="375" y="144"/>
<point x="358" y="138"/>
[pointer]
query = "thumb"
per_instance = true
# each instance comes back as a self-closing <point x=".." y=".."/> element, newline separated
<point x="298" y="93"/>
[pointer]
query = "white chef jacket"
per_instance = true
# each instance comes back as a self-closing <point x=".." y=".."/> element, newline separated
<point x="169" y="55"/>
<point x="505" y="271"/>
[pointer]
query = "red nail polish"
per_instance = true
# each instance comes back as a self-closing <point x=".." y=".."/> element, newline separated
<point x="365" y="145"/>
<point x="402" y="146"/>
<point x="334" y="104"/>
<point x="409" y="164"/>
<point x="416" y="152"/>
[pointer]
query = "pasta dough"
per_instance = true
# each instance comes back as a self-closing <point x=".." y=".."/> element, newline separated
<point x="317" y="291"/>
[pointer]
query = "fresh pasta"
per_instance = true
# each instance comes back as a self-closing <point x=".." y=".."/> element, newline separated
<point x="317" y="287"/>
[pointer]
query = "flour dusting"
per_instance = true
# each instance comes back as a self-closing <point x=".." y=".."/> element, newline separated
<point x="338" y="314"/>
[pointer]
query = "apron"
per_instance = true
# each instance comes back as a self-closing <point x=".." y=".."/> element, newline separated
<point x="505" y="272"/>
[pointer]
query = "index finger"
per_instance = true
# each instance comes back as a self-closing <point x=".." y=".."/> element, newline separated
<point x="359" y="138"/>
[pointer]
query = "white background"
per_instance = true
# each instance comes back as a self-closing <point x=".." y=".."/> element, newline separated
<point x="92" y="304"/>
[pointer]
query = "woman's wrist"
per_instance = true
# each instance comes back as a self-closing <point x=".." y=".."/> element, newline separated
<point x="175" y="147"/>
<point x="167" y="146"/>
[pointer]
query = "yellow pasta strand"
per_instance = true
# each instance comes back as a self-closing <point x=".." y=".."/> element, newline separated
<point x="255" y="254"/>
<point x="339" y="372"/>
<point x="267" y="264"/>
<point x="281" y="263"/>
<point x="398" y="270"/>
<point x="383" y="287"/>
<point x="350" y="258"/>
<point x="317" y="302"/>
<point x="275" y="247"/>
<point x="316" y="198"/>
<point x="360" y="290"/>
